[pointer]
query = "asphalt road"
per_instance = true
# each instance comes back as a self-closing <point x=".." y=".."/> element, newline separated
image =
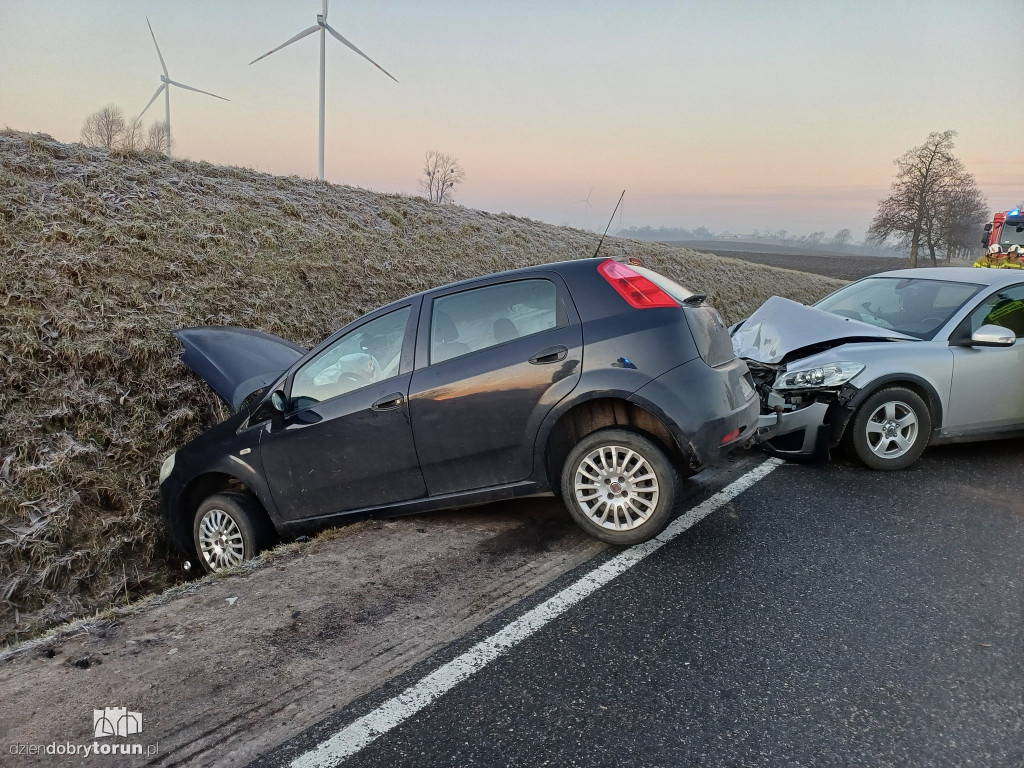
<point x="828" y="616"/>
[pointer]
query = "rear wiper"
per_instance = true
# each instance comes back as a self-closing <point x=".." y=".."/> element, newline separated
<point x="696" y="300"/>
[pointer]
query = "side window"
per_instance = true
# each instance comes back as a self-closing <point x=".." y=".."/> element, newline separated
<point x="372" y="352"/>
<point x="484" y="317"/>
<point x="1005" y="308"/>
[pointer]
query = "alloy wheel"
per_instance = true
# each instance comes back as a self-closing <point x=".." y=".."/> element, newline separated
<point x="616" y="487"/>
<point x="220" y="540"/>
<point x="891" y="429"/>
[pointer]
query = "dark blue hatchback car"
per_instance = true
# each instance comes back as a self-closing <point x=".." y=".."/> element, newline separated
<point x="595" y="380"/>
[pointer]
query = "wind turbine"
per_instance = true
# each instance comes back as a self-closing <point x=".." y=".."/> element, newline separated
<point x="587" y="207"/>
<point x="322" y="26"/>
<point x="165" y="87"/>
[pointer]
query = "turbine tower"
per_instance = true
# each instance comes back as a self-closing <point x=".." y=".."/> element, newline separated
<point x="323" y="27"/>
<point x="165" y="87"/>
<point x="586" y="208"/>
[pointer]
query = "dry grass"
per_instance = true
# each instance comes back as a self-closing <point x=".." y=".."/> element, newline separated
<point x="103" y="256"/>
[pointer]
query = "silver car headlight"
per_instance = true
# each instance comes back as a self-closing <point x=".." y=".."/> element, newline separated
<point x="819" y="377"/>
<point x="166" y="468"/>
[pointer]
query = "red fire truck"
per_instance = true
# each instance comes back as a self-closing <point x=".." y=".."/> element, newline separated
<point x="1006" y="229"/>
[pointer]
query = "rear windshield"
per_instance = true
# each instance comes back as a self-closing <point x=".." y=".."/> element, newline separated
<point x="710" y="334"/>
<point x="706" y="325"/>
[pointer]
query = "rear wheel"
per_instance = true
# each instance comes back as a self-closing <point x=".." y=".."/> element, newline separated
<point x="619" y="486"/>
<point x="890" y="430"/>
<point x="229" y="528"/>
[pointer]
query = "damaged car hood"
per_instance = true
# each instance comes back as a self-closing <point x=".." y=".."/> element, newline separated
<point x="236" y="362"/>
<point x="780" y="327"/>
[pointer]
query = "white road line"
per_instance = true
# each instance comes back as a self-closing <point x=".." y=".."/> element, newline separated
<point x="395" y="711"/>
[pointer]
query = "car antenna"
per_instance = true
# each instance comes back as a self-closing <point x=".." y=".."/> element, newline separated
<point x="609" y="223"/>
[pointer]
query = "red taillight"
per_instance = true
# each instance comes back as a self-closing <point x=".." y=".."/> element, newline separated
<point x="637" y="290"/>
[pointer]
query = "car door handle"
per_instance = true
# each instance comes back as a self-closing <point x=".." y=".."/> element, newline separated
<point x="550" y="355"/>
<point x="389" y="402"/>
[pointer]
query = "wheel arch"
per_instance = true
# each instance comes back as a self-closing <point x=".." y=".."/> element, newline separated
<point x="202" y="487"/>
<point x="921" y="387"/>
<point x="598" y="411"/>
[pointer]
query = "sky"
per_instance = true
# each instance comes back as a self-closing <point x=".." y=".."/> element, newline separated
<point x="730" y="114"/>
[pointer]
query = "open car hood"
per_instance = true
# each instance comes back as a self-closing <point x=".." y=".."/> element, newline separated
<point x="236" y="362"/>
<point x="780" y="327"/>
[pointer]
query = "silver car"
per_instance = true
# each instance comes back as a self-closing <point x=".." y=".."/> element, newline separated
<point x="890" y="364"/>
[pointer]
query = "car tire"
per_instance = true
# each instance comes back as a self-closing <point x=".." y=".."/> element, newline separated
<point x="619" y="486"/>
<point x="890" y="429"/>
<point x="229" y="528"/>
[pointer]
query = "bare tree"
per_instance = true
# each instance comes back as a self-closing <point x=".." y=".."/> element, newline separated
<point x="841" y="238"/>
<point x="104" y="128"/>
<point x="156" y="138"/>
<point x="909" y="214"/>
<point x="133" y="138"/>
<point x="441" y="175"/>
<point x="960" y="215"/>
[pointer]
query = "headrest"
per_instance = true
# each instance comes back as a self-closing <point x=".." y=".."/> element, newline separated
<point x="504" y="330"/>
<point x="445" y="331"/>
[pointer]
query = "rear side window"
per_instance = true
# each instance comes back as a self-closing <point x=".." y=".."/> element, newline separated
<point x="485" y="317"/>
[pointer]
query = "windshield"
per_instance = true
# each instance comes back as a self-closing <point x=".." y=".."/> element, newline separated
<point x="1012" y="234"/>
<point x="914" y="306"/>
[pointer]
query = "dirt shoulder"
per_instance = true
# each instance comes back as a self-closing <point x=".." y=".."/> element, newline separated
<point x="230" y="667"/>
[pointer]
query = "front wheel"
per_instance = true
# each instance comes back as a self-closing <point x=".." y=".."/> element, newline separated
<point x="619" y="486"/>
<point x="229" y="528"/>
<point x="891" y="429"/>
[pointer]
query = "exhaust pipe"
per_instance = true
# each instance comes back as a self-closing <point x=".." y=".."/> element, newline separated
<point x="187" y="566"/>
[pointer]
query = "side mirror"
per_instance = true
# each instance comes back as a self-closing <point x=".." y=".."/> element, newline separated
<point x="277" y="401"/>
<point x="993" y="336"/>
<point x="988" y="227"/>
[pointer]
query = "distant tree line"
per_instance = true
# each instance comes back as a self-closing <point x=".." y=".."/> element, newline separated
<point x="838" y="241"/>
<point x="110" y="129"/>
<point x="667" y="233"/>
<point x="934" y="203"/>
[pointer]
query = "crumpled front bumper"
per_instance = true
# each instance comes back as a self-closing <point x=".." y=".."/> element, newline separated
<point x="810" y="432"/>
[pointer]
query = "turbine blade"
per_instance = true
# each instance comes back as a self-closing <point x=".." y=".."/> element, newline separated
<point x="299" y="36"/>
<point x="190" y="88"/>
<point x="341" y="39"/>
<point x="326" y="5"/>
<point x="166" y="74"/>
<point x="158" y="92"/>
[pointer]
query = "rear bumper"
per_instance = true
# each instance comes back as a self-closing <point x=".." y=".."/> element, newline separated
<point x="709" y="411"/>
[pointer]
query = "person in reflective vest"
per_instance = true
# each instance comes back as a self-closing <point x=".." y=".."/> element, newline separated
<point x="1014" y="257"/>
<point x="993" y="258"/>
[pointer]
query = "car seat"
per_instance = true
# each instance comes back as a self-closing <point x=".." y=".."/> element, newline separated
<point x="504" y="330"/>
<point x="445" y="344"/>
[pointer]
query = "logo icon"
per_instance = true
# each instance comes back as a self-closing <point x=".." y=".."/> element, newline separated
<point x="115" y="721"/>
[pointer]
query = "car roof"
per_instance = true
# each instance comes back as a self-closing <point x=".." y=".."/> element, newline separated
<point x="973" y="275"/>
<point x="555" y="266"/>
<point x="559" y="267"/>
